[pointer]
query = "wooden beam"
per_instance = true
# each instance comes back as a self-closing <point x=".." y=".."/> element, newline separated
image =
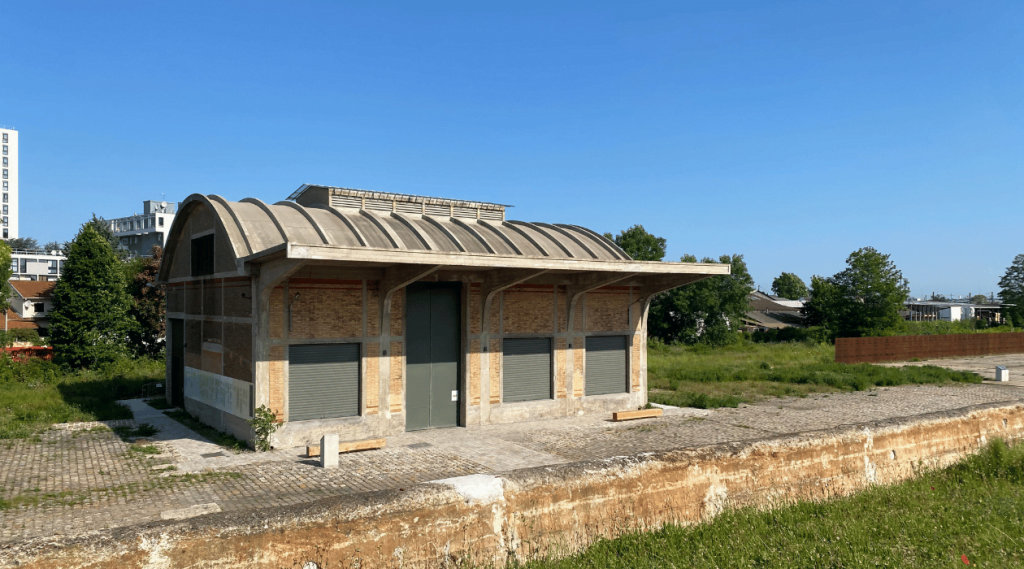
<point x="641" y="414"/>
<point x="349" y="447"/>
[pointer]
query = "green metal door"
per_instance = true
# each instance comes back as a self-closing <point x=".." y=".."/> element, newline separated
<point x="606" y="365"/>
<point x="526" y="369"/>
<point x="432" y="355"/>
<point x="323" y="381"/>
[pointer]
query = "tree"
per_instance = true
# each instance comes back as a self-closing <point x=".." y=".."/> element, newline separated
<point x="148" y="307"/>
<point x="788" y="285"/>
<point x="938" y="298"/>
<point x="1011" y="291"/>
<point x="639" y="244"/>
<point x="24" y="243"/>
<point x="706" y="312"/>
<point x="979" y="299"/>
<point x="102" y="227"/>
<point x="5" y="275"/>
<point x="53" y="246"/>
<point x="862" y="300"/>
<point x="90" y="321"/>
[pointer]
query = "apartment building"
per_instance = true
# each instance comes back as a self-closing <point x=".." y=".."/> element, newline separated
<point x="140" y="231"/>
<point x="9" y="205"/>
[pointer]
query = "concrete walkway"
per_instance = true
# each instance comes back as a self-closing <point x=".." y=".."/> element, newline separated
<point x="985" y="366"/>
<point x="79" y="478"/>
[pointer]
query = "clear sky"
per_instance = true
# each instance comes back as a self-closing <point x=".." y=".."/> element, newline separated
<point x="790" y="132"/>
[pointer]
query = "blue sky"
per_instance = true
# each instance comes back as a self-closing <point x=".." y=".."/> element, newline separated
<point x="790" y="132"/>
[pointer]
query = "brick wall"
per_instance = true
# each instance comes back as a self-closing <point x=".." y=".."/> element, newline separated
<point x="902" y="348"/>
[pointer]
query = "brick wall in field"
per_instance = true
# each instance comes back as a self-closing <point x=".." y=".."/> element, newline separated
<point x="902" y="348"/>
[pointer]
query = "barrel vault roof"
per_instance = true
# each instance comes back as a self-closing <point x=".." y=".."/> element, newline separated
<point x="257" y="229"/>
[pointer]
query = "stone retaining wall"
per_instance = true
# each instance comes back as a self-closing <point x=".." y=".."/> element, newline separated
<point x="903" y="348"/>
<point x="540" y="511"/>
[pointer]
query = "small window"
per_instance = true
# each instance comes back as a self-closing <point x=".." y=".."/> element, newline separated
<point x="5" y="210"/>
<point x="5" y="137"/>
<point x="202" y="255"/>
<point x="5" y="233"/>
<point x="5" y="150"/>
<point x="52" y="269"/>
<point x="5" y="173"/>
<point x="160" y="221"/>
<point x="38" y="307"/>
<point x="5" y="221"/>
<point x="24" y="265"/>
<point x="5" y="198"/>
<point x="5" y="160"/>
<point x="14" y="262"/>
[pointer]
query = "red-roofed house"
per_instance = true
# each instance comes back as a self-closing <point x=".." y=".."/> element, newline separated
<point x="31" y="302"/>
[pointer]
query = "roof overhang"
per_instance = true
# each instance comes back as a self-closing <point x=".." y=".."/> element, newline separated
<point x="385" y="257"/>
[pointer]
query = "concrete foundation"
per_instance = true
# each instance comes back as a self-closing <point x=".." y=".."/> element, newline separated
<point x="552" y="510"/>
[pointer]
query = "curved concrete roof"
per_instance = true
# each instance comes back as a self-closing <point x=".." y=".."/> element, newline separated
<point x="254" y="227"/>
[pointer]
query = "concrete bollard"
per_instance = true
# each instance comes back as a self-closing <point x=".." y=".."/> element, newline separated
<point x="1002" y="373"/>
<point x="329" y="451"/>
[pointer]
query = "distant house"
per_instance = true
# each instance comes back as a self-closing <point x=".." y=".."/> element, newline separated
<point x="946" y="311"/>
<point x="31" y="303"/>
<point x="770" y="312"/>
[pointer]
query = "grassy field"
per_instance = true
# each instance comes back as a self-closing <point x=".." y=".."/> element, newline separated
<point x="37" y="394"/>
<point x="972" y="512"/>
<point x="746" y="372"/>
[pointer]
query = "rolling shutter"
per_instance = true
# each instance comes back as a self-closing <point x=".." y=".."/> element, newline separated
<point x="527" y="369"/>
<point x="606" y="365"/>
<point x="323" y="381"/>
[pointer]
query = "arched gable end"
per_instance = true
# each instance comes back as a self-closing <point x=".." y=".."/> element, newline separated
<point x="203" y="215"/>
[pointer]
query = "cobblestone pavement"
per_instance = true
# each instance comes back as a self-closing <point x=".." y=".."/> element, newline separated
<point x="74" y="478"/>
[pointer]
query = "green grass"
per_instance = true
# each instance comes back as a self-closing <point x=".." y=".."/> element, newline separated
<point x="38" y="394"/>
<point x="208" y="432"/>
<point x="973" y="509"/>
<point x="746" y="372"/>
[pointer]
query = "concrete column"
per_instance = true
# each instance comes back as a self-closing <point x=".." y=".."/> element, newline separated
<point x="329" y="451"/>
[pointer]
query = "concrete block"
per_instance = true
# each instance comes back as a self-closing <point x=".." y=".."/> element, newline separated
<point x="329" y="451"/>
<point x="1002" y="373"/>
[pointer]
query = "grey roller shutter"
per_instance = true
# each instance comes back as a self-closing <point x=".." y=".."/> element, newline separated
<point x="606" y="365"/>
<point x="323" y="381"/>
<point x="527" y="369"/>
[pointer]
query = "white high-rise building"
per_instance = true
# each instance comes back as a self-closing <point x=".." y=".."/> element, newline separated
<point x="9" y="153"/>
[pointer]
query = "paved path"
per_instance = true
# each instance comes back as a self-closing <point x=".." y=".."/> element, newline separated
<point x="75" y="478"/>
<point x="985" y="366"/>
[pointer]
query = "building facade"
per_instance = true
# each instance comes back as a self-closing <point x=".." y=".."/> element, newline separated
<point x="367" y="314"/>
<point x="9" y="205"/>
<point x="36" y="265"/>
<point x="138" y="233"/>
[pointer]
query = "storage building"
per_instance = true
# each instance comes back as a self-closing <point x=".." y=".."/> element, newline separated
<point x="368" y="314"/>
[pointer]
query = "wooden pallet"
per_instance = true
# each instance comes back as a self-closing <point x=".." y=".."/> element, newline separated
<point x="641" y="414"/>
<point x="349" y="447"/>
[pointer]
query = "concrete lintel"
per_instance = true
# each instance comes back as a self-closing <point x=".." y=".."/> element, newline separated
<point x="319" y="252"/>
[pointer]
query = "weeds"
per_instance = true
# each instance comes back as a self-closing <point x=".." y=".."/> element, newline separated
<point x="746" y="372"/>
<point x="37" y="394"/>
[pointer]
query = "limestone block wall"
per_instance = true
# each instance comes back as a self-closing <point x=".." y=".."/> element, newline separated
<point x="548" y="511"/>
